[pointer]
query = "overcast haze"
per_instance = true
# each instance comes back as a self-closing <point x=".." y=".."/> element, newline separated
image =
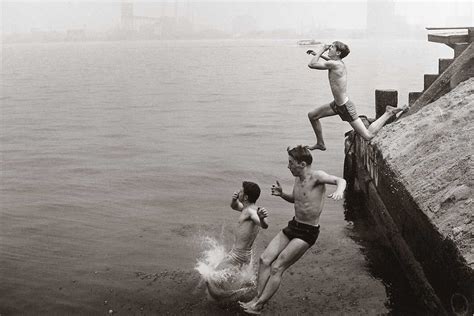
<point x="25" y="16"/>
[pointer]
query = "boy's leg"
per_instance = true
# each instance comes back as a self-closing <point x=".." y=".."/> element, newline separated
<point x="375" y="127"/>
<point x="293" y="251"/>
<point x="314" y="117"/>
<point x="278" y="243"/>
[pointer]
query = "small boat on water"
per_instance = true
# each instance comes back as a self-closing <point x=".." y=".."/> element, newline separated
<point x="308" y="42"/>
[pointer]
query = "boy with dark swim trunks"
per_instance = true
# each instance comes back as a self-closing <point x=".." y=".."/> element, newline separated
<point x="302" y="231"/>
<point x="341" y="105"/>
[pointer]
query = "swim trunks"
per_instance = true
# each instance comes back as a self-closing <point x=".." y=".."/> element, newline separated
<point x="305" y="232"/>
<point x="239" y="256"/>
<point x="347" y="111"/>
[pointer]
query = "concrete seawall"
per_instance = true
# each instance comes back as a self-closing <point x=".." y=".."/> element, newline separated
<point x="415" y="179"/>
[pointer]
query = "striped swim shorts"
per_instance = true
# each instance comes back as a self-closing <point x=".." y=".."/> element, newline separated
<point x="347" y="111"/>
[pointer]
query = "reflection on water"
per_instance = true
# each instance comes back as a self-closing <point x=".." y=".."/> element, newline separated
<point x="124" y="151"/>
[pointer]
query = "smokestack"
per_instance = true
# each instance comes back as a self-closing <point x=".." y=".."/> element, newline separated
<point x="127" y="15"/>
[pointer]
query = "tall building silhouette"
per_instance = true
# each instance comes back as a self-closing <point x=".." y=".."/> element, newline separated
<point x="127" y="16"/>
<point x="382" y="20"/>
<point x="137" y="26"/>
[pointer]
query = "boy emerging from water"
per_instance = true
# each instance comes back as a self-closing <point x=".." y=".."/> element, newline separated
<point x="250" y="221"/>
<point x="341" y="105"/>
<point x="230" y="285"/>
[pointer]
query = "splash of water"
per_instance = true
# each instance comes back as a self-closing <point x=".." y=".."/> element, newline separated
<point x="226" y="284"/>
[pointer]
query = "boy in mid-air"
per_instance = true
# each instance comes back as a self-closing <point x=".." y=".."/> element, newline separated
<point x="292" y="242"/>
<point x="341" y="105"/>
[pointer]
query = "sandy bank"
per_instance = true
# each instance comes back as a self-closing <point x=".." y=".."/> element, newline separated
<point x="432" y="151"/>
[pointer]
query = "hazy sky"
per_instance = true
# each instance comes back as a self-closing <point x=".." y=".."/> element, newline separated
<point x="101" y="15"/>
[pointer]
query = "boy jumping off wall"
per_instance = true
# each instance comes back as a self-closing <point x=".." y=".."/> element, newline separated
<point x="341" y="105"/>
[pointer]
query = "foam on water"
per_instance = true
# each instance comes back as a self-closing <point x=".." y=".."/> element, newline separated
<point x="227" y="284"/>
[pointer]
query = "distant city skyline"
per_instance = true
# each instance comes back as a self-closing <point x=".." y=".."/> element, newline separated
<point x="222" y="15"/>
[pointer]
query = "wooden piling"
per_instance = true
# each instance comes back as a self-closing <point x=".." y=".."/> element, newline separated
<point x="413" y="96"/>
<point x="384" y="98"/>
<point x="443" y="64"/>
<point x="428" y="80"/>
<point x="470" y="34"/>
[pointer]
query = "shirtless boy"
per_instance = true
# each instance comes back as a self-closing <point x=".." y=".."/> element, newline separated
<point x="250" y="221"/>
<point x="302" y="231"/>
<point x="341" y="105"/>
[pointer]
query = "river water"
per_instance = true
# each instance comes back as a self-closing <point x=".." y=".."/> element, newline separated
<point x="119" y="157"/>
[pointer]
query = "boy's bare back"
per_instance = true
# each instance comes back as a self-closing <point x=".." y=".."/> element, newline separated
<point x="246" y="230"/>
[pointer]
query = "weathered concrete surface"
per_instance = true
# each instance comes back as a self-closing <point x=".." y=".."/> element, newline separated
<point x="432" y="152"/>
<point x="421" y="168"/>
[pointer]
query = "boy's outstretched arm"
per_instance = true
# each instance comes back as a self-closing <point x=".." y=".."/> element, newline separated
<point x="277" y="190"/>
<point x="325" y="178"/>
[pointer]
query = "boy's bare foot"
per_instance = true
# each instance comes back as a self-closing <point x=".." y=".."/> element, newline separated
<point x="253" y="309"/>
<point x="317" y="146"/>
<point x="400" y="111"/>
<point x="393" y="110"/>
<point x="244" y="305"/>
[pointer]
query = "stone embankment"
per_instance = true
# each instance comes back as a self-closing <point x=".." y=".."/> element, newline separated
<point x="432" y="153"/>
<point x="416" y="180"/>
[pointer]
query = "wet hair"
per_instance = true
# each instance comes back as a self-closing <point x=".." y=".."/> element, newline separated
<point x="300" y="153"/>
<point x="342" y="48"/>
<point x="252" y="190"/>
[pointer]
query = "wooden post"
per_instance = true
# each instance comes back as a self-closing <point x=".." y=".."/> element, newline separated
<point x="384" y="98"/>
<point x="413" y="96"/>
<point x="470" y="34"/>
<point x="443" y="64"/>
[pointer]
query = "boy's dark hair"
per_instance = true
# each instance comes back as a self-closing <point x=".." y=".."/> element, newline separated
<point x="342" y="48"/>
<point x="252" y="190"/>
<point x="300" y="153"/>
